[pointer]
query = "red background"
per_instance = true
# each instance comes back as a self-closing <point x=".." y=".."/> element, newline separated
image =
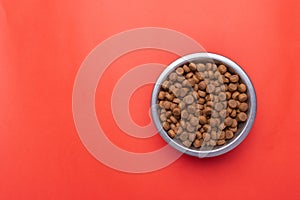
<point x="42" y="46"/>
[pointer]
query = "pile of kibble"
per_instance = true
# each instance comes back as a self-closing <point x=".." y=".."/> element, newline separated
<point x="202" y="104"/>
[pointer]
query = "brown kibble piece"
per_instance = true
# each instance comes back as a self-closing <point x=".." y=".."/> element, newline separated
<point x="186" y="68"/>
<point x="222" y="96"/>
<point x="206" y="137"/>
<point x="165" y="85"/>
<point x="212" y="143"/>
<point x="202" y="120"/>
<point x="183" y="136"/>
<point x="235" y="95"/>
<point x="187" y="143"/>
<point x="184" y="114"/>
<point x="179" y="71"/>
<point x="192" y="66"/>
<point x="194" y="121"/>
<point x="171" y="133"/>
<point x="191" y="109"/>
<point x="208" y="110"/>
<point x="222" y="113"/>
<point x="161" y="95"/>
<point x="243" y="97"/>
<point x="232" y="87"/>
<point x="221" y="135"/>
<point x="234" y="78"/>
<point x="183" y="92"/>
<point x="167" y="104"/>
<point x="197" y="143"/>
<point x="228" y="95"/>
<point x="189" y="99"/>
<point x="234" y="123"/>
<point x="210" y="88"/>
<point x="228" y="121"/>
<point x="166" y="126"/>
<point x="190" y="127"/>
<point x="242" y="117"/>
<point x="173" y="76"/>
<point x="243" y="107"/>
<point x="202" y="85"/>
<point x="222" y="69"/>
<point x="232" y="103"/>
<point x="219" y="106"/>
<point x="233" y="114"/>
<point x="192" y="137"/>
<point x="176" y="111"/>
<point x="220" y="142"/>
<point x="242" y="87"/>
<point x="229" y="134"/>
<point x="162" y="117"/>
<point x="201" y="67"/>
<point x="173" y="119"/>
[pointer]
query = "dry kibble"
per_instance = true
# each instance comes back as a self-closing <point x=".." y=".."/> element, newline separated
<point x="173" y="76"/>
<point x="180" y="78"/>
<point x="222" y="113"/>
<point x="233" y="114"/>
<point x="176" y="111"/>
<point x="197" y="143"/>
<point x="232" y="87"/>
<point x="166" y="126"/>
<point x="232" y="103"/>
<point x="242" y="87"/>
<point x="219" y="106"/>
<point x="229" y="134"/>
<point x="192" y="137"/>
<point x="243" y="97"/>
<point x="235" y="95"/>
<point x="222" y="69"/>
<point x="212" y="143"/>
<point x="173" y="119"/>
<point x="210" y="88"/>
<point x="243" y="107"/>
<point x="222" y="96"/>
<point x="194" y="121"/>
<point x="234" y="78"/>
<point x="187" y="143"/>
<point x="206" y="137"/>
<point x="171" y="133"/>
<point x="192" y="66"/>
<point x="186" y="68"/>
<point x="179" y="71"/>
<point x="184" y="114"/>
<point x="221" y="142"/>
<point x="202" y="85"/>
<point x="228" y="121"/>
<point x="202" y="104"/>
<point x="189" y="99"/>
<point x="162" y="117"/>
<point x="183" y="92"/>
<point x="183" y="136"/>
<point x="234" y="123"/>
<point x="167" y="104"/>
<point x="201" y="93"/>
<point x="242" y="117"/>
<point x="190" y="127"/>
<point x="161" y="95"/>
<point x="228" y="95"/>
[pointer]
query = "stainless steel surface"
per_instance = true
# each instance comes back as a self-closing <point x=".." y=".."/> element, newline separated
<point x="240" y="135"/>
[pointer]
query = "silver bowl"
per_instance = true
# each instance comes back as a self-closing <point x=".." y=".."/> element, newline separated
<point x="242" y="131"/>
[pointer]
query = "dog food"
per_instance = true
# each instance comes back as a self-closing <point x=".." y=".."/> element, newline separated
<point x="202" y="104"/>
